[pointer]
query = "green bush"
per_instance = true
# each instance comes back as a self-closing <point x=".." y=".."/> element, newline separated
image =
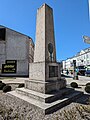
<point x="6" y="88"/>
<point x="87" y="84"/>
<point x="0" y="81"/>
<point x="21" y="85"/>
<point x="74" y="85"/>
<point x="2" y="85"/>
<point x="87" y="88"/>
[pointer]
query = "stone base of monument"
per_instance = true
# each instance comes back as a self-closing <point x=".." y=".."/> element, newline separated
<point x="48" y="103"/>
<point x="45" y="86"/>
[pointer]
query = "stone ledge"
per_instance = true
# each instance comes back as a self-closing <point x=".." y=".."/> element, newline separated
<point x="49" y="107"/>
<point x="47" y="98"/>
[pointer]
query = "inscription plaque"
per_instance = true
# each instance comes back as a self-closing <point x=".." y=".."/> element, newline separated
<point x="53" y="71"/>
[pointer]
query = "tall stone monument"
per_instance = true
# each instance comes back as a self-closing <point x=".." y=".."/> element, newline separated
<point x="44" y="73"/>
<point x="45" y="86"/>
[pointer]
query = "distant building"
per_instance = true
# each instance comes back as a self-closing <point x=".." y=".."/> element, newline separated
<point x="82" y="59"/>
<point x="16" y="51"/>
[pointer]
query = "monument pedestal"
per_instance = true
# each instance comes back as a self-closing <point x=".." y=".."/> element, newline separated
<point x="45" y="87"/>
<point x="48" y="103"/>
<point x="45" y="77"/>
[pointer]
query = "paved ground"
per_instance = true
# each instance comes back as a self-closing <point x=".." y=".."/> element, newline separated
<point x="81" y="82"/>
<point x="82" y="79"/>
<point x="14" y="108"/>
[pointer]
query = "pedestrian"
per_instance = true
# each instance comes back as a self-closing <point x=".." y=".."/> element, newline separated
<point x="67" y="72"/>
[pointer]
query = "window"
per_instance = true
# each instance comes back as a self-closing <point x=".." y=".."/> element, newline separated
<point x="2" y="34"/>
<point x="87" y="55"/>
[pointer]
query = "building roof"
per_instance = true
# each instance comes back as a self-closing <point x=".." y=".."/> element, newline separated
<point x="86" y="50"/>
<point x="17" y="32"/>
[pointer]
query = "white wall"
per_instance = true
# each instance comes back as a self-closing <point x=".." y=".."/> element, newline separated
<point x="81" y="59"/>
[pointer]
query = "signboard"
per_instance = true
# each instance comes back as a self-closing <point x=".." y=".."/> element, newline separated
<point x="86" y="39"/>
<point x="53" y="71"/>
<point x="9" y="67"/>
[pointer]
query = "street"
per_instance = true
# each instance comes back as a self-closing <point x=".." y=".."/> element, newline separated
<point x="81" y="81"/>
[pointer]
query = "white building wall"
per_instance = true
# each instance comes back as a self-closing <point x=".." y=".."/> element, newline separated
<point x="83" y="58"/>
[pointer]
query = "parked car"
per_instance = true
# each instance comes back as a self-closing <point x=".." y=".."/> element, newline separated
<point x="81" y="70"/>
<point x="87" y="73"/>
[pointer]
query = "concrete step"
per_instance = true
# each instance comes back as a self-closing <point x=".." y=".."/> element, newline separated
<point x="72" y="97"/>
<point x="47" y="98"/>
<point x="48" y="107"/>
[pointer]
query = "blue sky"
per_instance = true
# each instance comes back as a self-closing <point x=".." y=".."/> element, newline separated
<point x="71" y="22"/>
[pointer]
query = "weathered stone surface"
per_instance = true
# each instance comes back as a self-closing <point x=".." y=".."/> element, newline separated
<point x="40" y="71"/>
<point x="45" y="67"/>
<point x="47" y="98"/>
<point x="44" y="34"/>
<point x="13" y="108"/>
<point x="37" y="71"/>
<point x="51" y="106"/>
<point x="45" y="87"/>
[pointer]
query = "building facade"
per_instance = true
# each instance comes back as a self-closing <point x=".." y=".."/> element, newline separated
<point x="82" y="59"/>
<point x="16" y="51"/>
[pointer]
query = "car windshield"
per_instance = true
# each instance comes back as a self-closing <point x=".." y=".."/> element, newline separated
<point x="81" y="67"/>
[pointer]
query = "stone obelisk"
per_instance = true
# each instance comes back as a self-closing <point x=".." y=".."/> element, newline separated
<point x="45" y="86"/>
<point x="44" y="35"/>
<point x="44" y="76"/>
